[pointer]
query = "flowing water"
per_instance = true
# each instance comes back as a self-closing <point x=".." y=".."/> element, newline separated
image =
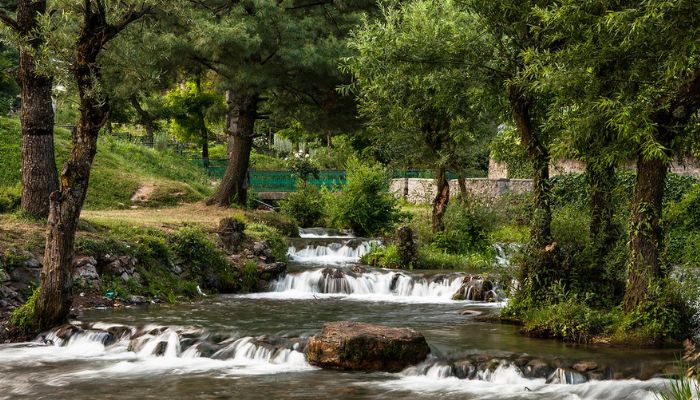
<point x="251" y="346"/>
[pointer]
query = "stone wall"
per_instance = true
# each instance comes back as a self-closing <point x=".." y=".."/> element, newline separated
<point x="422" y="191"/>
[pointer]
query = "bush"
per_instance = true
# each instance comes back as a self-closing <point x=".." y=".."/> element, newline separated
<point x="306" y="207"/>
<point x="204" y="261"/>
<point x="570" y="319"/>
<point x="23" y="316"/>
<point x="466" y="228"/>
<point x="383" y="257"/>
<point x="365" y="204"/>
<point x="272" y="237"/>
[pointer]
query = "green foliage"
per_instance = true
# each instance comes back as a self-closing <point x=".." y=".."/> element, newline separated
<point x="683" y="387"/>
<point x="120" y="168"/>
<point x="23" y="316"/>
<point x="195" y="250"/>
<point x="305" y="206"/>
<point x="188" y="106"/>
<point x="477" y="262"/>
<point x="10" y="198"/>
<point x="466" y="228"/>
<point x="249" y="276"/>
<point x="383" y="257"/>
<point x="506" y="148"/>
<point x="303" y="168"/>
<point x="283" y="223"/>
<point x="8" y="86"/>
<point x="569" y="319"/>
<point x="663" y="315"/>
<point x="272" y="237"/>
<point x="365" y="204"/>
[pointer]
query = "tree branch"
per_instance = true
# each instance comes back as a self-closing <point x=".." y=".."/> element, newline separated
<point x="7" y="20"/>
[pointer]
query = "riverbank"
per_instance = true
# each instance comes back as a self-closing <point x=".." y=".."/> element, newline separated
<point x="139" y="257"/>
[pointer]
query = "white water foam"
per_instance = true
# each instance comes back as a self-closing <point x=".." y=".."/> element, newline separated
<point x="321" y="233"/>
<point x="332" y="254"/>
<point x="507" y="382"/>
<point x="367" y="286"/>
<point x="159" y="353"/>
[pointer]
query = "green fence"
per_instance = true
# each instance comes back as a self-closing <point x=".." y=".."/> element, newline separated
<point x="284" y="181"/>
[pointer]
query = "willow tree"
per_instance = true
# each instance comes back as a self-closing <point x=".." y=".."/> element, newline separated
<point x="257" y="48"/>
<point x="413" y="87"/>
<point x="648" y="52"/>
<point x="39" y="175"/>
<point x="80" y="32"/>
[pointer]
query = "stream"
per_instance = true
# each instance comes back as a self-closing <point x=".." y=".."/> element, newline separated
<point x="250" y="346"/>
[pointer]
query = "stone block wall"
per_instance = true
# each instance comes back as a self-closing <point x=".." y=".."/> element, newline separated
<point x="423" y="191"/>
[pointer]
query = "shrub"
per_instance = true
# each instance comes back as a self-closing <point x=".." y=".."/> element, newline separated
<point x="272" y="237"/>
<point x="466" y="228"/>
<point x="202" y="258"/>
<point x="305" y="206"/>
<point x="383" y="257"/>
<point x="570" y="319"/>
<point x="365" y="204"/>
<point x="23" y="316"/>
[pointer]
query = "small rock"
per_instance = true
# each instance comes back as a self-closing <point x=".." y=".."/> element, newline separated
<point x="125" y="277"/>
<point x="585" y="366"/>
<point x="32" y="262"/>
<point x="259" y="248"/>
<point x="134" y="299"/>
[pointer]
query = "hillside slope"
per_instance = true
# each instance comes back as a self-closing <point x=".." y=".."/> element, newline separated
<point x="121" y="171"/>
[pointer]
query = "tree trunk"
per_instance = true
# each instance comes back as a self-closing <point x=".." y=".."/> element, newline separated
<point x="442" y="198"/>
<point x="646" y="234"/>
<point x="204" y="132"/>
<point x="329" y="139"/>
<point x="539" y="271"/>
<point x="54" y="299"/>
<point x="462" y="181"/>
<point x="145" y="119"/>
<point x="39" y="175"/>
<point x="601" y="183"/>
<point x="234" y="185"/>
<point x="541" y="232"/>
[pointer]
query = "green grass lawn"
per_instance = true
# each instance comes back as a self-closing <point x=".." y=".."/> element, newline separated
<point x="119" y="170"/>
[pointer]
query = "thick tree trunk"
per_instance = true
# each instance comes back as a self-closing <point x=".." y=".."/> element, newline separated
<point x="601" y="183"/>
<point x="39" y="175"/>
<point x="462" y="181"/>
<point x="54" y="299"/>
<point x="646" y="234"/>
<point x="442" y="198"/>
<point x="234" y="185"/>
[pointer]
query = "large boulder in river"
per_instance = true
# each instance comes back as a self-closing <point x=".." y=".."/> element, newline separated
<point x="358" y="346"/>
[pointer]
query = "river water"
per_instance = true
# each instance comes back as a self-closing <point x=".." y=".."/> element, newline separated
<point x="248" y="346"/>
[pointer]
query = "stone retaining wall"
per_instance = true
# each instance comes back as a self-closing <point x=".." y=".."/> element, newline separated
<point x="423" y="191"/>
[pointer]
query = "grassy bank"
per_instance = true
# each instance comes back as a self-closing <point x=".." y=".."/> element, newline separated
<point x="120" y="170"/>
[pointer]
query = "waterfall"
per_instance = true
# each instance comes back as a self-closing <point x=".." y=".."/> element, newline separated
<point x="380" y="285"/>
<point x="323" y="233"/>
<point x="131" y="350"/>
<point x="332" y="253"/>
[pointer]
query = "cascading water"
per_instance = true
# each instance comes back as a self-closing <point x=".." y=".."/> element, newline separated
<point x="331" y="253"/>
<point x="253" y="345"/>
<point x="374" y="285"/>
